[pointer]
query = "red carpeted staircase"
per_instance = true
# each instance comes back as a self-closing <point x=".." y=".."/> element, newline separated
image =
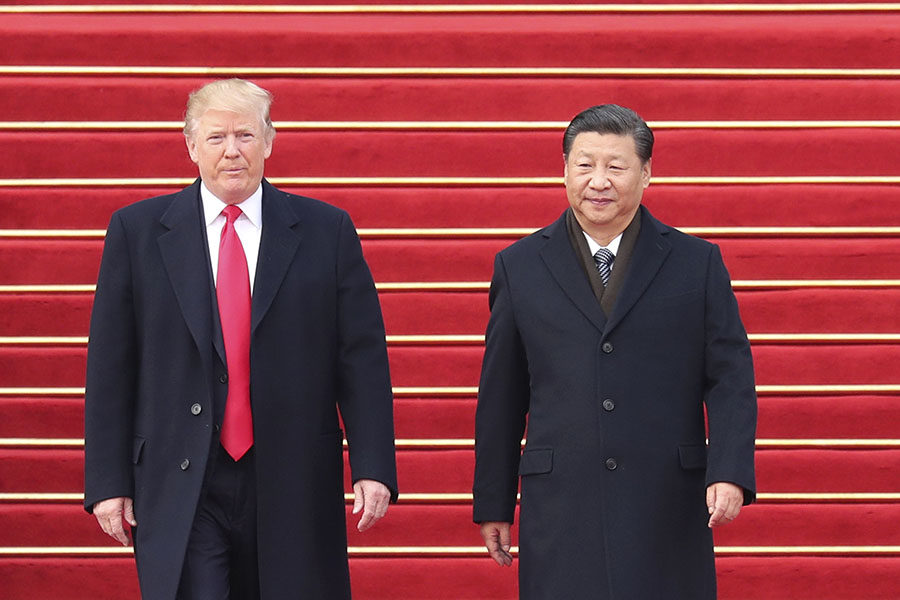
<point x="439" y="129"/>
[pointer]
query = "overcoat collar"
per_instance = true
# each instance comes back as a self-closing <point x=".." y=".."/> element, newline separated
<point x="281" y="235"/>
<point x="187" y="263"/>
<point x="559" y="256"/>
<point x="187" y="260"/>
<point x="650" y="251"/>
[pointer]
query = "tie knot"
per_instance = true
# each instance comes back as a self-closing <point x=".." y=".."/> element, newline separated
<point x="604" y="257"/>
<point x="231" y="213"/>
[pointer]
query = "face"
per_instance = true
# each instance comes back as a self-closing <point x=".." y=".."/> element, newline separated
<point x="230" y="149"/>
<point x="604" y="183"/>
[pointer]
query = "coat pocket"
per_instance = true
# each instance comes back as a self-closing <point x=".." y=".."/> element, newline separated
<point x="535" y="462"/>
<point x="692" y="457"/>
<point x="137" y="449"/>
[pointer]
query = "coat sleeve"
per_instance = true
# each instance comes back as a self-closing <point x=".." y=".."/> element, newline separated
<point x="364" y="397"/>
<point x="730" y="393"/>
<point x="503" y="400"/>
<point x="110" y="379"/>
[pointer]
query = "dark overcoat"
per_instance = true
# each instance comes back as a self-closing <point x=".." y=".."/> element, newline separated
<point x="614" y="470"/>
<point x="156" y="371"/>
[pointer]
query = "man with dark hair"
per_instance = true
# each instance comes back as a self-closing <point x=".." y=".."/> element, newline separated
<point x="609" y="333"/>
<point x="232" y="321"/>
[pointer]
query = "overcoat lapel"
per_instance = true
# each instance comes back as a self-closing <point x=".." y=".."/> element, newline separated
<point x="559" y="256"/>
<point x="650" y="251"/>
<point x="185" y="259"/>
<point x="279" y="243"/>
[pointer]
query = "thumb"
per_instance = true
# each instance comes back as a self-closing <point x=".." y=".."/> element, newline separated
<point x="505" y="539"/>
<point x="359" y="499"/>
<point x="128" y="512"/>
<point x="711" y="498"/>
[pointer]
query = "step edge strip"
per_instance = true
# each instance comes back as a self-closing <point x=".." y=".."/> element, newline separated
<point x="249" y="71"/>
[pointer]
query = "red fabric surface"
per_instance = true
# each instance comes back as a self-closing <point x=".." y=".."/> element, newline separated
<point x="443" y="471"/>
<point x="775" y="364"/>
<point x="413" y="260"/>
<point x="704" y="152"/>
<point x="790" y="205"/>
<point x="451" y="525"/>
<point x="852" y="40"/>
<point x="113" y="98"/>
<point x="780" y="417"/>
<point x="444" y="578"/>
<point x="822" y="310"/>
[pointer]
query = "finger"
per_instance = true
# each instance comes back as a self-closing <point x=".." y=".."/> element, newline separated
<point x="497" y="544"/>
<point x="716" y="517"/>
<point x="358" y="497"/>
<point x="129" y="512"/>
<point x="711" y="498"/>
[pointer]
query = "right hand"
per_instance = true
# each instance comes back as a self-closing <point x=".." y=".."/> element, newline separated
<point x="110" y="514"/>
<point x="497" y="540"/>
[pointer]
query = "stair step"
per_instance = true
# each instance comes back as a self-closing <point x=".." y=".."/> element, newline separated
<point x="29" y="261"/>
<point x="679" y="153"/>
<point x="770" y="578"/>
<point x="460" y="366"/>
<point x="148" y="98"/>
<point x="35" y="525"/>
<point x="679" y="40"/>
<point x="780" y="417"/>
<point x="445" y="471"/>
<point x="466" y="313"/>
<point x="796" y="205"/>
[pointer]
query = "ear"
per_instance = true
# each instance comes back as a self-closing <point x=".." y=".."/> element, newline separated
<point x="565" y="166"/>
<point x="645" y="173"/>
<point x="191" y="142"/>
<point x="269" y="141"/>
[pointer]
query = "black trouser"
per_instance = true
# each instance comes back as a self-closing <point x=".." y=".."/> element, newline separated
<point x="221" y="559"/>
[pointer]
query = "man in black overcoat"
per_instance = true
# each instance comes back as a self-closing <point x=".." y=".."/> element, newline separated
<point x="226" y="348"/>
<point x="610" y="333"/>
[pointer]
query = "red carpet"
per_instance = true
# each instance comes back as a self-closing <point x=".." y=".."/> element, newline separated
<point x="828" y="456"/>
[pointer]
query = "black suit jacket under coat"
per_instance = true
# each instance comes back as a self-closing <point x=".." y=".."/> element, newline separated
<point x="317" y="343"/>
<point x="616" y="463"/>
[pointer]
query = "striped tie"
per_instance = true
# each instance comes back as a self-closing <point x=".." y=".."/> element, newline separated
<point x="604" y="260"/>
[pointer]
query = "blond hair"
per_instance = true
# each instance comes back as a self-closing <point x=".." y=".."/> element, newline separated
<point x="235" y="95"/>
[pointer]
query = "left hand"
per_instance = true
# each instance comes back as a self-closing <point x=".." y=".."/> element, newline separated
<point x="372" y="498"/>
<point x="724" y="501"/>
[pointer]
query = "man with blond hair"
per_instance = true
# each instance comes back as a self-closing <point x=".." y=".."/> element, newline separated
<point x="232" y="323"/>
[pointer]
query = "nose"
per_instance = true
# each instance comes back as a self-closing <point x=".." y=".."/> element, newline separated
<point x="231" y="147"/>
<point x="599" y="179"/>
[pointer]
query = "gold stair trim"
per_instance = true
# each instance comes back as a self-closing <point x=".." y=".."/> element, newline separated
<point x="679" y="72"/>
<point x="824" y="389"/>
<point x="450" y="8"/>
<point x="469" y="444"/>
<point x="475" y="339"/>
<point x="449" y="181"/>
<point x="466" y="497"/>
<point x="460" y="550"/>
<point x="449" y="125"/>
<point x="512" y="232"/>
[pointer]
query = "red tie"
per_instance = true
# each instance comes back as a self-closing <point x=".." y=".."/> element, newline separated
<point x="233" y="295"/>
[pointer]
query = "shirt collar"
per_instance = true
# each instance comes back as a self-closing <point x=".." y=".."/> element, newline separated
<point x="213" y="207"/>
<point x="612" y="247"/>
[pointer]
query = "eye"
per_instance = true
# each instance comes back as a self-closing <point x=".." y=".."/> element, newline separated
<point x="215" y="138"/>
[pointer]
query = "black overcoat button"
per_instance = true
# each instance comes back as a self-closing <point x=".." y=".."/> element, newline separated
<point x="611" y="464"/>
<point x="185" y="464"/>
<point x="223" y="378"/>
<point x="196" y="409"/>
<point x="608" y="405"/>
<point x="607" y="347"/>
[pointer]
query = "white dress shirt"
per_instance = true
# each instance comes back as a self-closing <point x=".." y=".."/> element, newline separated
<point x="613" y="247"/>
<point x="248" y="227"/>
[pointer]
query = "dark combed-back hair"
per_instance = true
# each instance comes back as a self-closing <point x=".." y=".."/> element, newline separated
<point x="611" y="118"/>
